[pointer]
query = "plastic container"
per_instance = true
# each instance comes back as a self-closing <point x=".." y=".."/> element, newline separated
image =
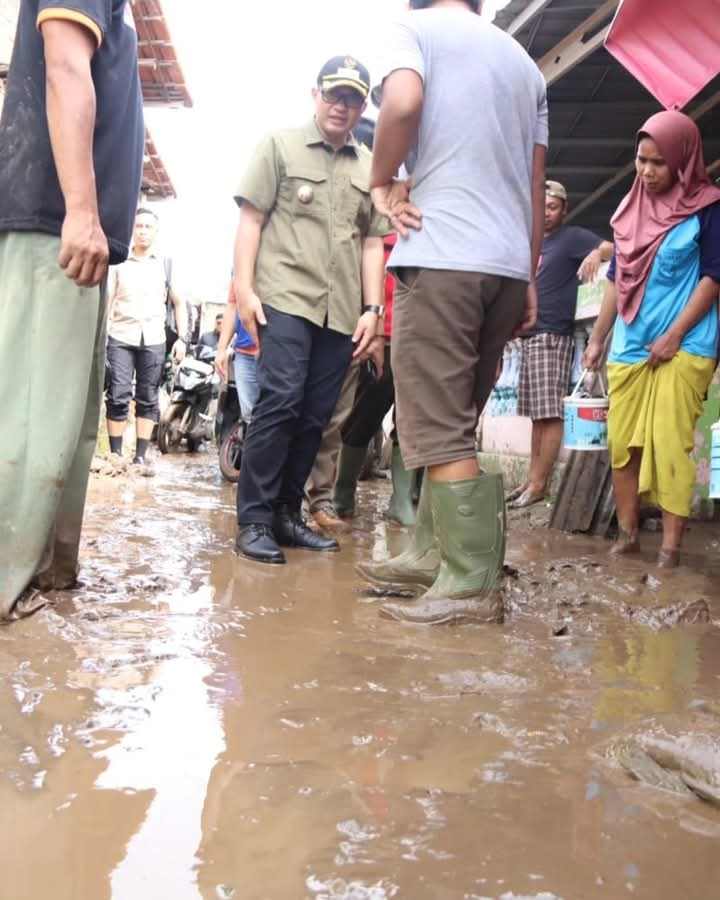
<point x="585" y="419"/>
<point x="715" y="462"/>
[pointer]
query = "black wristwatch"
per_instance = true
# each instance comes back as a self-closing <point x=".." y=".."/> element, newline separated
<point x="376" y="309"/>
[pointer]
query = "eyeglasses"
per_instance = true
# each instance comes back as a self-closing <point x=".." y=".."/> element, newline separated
<point x="350" y="99"/>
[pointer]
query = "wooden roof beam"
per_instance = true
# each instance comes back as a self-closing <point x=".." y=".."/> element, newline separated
<point x="628" y="169"/>
<point x="575" y="169"/>
<point x="575" y="143"/>
<point x="532" y="10"/>
<point x="579" y="44"/>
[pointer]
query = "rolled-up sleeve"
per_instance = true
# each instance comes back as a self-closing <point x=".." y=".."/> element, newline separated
<point x="379" y="225"/>
<point x="261" y="181"/>
<point x="91" y="14"/>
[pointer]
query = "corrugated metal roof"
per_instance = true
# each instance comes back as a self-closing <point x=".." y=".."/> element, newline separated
<point x="595" y="110"/>
<point x="673" y="52"/>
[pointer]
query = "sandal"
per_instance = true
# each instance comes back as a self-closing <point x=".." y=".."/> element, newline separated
<point x="515" y="493"/>
<point x="527" y="498"/>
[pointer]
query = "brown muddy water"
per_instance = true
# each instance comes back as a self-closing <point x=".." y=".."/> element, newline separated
<point x="189" y="725"/>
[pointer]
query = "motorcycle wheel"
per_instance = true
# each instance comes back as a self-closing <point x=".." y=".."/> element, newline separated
<point x="168" y="436"/>
<point x="193" y="444"/>
<point x="230" y="453"/>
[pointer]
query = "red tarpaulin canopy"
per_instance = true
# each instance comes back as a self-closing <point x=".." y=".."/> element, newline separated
<point x="671" y="47"/>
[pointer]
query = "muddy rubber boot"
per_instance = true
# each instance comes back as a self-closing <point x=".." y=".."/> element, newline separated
<point x="469" y="519"/>
<point x="401" y="509"/>
<point x="350" y="464"/>
<point x="419" y="563"/>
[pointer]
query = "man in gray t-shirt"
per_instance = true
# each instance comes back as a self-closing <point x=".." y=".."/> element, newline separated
<point x="464" y="109"/>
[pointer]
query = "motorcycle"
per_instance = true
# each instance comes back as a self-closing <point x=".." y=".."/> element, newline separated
<point x="229" y="430"/>
<point x="191" y="412"/>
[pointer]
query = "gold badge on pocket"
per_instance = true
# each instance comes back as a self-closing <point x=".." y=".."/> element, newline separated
<point x="306" y="194"/>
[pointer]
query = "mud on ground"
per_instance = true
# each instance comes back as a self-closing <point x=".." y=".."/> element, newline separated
<point x="190" y="725"/>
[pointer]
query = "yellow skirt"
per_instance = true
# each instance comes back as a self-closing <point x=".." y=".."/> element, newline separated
<point x="655" y="411"/>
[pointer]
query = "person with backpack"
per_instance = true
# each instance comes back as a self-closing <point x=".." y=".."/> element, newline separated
<point x="137" y="314"/>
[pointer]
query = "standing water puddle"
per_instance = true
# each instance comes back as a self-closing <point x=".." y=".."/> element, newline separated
<point x="190" y="725"/>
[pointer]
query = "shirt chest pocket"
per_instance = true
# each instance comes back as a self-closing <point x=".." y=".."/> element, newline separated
<point x="355" y="206"/>
<point x="674" y="264"/>
<point x="305" y="192"/>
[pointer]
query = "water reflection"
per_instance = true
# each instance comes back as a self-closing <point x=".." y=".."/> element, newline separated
<point x="641" y="672"/>
<point x="169" y="755"/>
<point x="194" y="726"/>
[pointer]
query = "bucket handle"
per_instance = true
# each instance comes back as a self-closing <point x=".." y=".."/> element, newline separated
<point x="599" y="377"/>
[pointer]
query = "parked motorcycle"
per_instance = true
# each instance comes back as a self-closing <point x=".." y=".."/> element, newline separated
<point x="230" y="452"/>
<point x="229" y="430"/>
<point x="190" y="415"/>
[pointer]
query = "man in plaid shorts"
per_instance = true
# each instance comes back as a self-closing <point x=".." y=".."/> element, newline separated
<point x="547" y="349"/>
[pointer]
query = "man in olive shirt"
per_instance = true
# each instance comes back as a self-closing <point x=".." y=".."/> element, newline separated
<point x="307" y="231"/>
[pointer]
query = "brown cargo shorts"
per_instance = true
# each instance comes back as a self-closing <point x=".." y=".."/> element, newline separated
<point x="449" y="331"/>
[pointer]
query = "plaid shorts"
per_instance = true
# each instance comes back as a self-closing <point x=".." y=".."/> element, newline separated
<point x="544" y="375"/>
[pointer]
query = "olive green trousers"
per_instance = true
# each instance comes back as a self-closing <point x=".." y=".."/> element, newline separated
<point x="52" y="353"/>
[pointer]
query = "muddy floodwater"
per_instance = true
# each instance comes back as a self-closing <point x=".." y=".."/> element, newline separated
<point x="190" y="725"/>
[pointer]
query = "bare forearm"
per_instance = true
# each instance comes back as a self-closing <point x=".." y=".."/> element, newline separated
<point x="112" y="286"/>
<point x="606" y="250"/>
<point x="181" y="319"/>
<point x="395" y="137"/>
<point x="538" y="206"/>
<point x="397" y="124"/>
<point x="701" y="302"/>
<point x="373" y="271"/>
<point x="70" y="108"/>
<point x="607" y="316"/>
<point x="228" y="326"/>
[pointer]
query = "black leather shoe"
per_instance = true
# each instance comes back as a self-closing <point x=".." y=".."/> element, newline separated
<point x="291" y="531"/>
<point x="257" y="542"/>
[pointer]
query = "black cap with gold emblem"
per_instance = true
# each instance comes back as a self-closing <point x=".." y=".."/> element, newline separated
<point x="344" y="71"/>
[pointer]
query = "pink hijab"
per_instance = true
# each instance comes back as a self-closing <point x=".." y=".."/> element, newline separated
<point x="643" y="219"/>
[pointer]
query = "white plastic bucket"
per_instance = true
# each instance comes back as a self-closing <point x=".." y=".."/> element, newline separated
<point x="585" y="420"/>
<point x="715" y="462"/>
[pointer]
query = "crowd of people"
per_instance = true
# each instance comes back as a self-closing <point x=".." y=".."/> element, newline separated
<point x="438" y="240"/>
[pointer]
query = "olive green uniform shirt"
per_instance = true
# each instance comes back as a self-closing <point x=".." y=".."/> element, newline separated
<point x="318" y="214"/>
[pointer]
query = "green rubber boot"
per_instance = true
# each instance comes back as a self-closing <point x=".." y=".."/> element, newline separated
<point x="401" y="509"/>
<point x="419" y="563"/>
<point x="350" y="463"/>
<point x="469" y="519"/>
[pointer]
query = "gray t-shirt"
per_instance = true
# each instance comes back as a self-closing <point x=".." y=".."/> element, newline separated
<point x="484" y="110"/>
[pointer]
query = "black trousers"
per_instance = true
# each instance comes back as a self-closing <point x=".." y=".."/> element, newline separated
<point x="301" y="368"/>
<point x="146" y="362"/>
<point x="373" y="399"/>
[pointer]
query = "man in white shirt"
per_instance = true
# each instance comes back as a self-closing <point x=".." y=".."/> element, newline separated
<point x="137" y="305"/>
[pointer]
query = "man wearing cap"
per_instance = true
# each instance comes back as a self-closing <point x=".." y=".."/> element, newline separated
<point x="568" y="253"/>
<point x="309" y="285"/>
<point x="463" y="282"/>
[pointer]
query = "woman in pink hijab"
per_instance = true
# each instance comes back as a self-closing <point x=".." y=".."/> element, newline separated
<point x="662" y="301"/>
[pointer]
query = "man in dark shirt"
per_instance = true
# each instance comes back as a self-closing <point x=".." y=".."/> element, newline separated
<point x="210" y="338"/>
<point x="568" y="253"/>
<point x="71" y="148"/>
